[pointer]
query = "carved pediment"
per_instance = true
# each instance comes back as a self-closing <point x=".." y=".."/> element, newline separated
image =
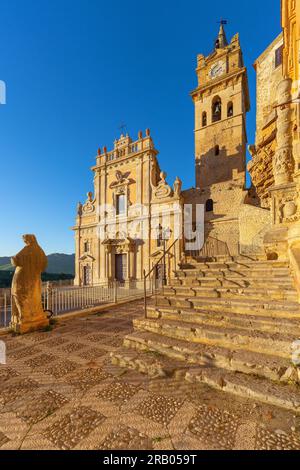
<point x="87" y="257"/>
<point x="120" y="245"/>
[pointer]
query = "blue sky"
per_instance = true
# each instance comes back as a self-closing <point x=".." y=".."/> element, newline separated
<point x="75" y="70"/>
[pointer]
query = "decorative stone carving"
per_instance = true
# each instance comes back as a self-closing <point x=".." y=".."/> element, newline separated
<point x="122" y="186"/>
<point x="122" y="179"/>
<point x="162" y="190"/>
<point x="89" y="206"/>
<point x="285" y="207"/>
<point x="27" y="310"/>
<point x="261" y="169"/>
<point x="283" y="163"/>
<point x="289" y="209"/>
<point x="119" y="177"/>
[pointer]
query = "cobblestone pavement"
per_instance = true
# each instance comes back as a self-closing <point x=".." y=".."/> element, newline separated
<point x="60" y="391"/>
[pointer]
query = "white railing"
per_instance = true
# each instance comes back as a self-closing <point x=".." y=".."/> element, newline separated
<point x="5" y="308"/>
<point x="62" y="300"/>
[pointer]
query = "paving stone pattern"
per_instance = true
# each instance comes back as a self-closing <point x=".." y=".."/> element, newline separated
<point x="59" y="390"/>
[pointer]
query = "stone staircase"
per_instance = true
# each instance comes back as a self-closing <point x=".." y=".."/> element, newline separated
<point x="228" y="324"/>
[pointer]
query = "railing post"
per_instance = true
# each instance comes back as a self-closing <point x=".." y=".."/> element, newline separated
<point x="164" y="265"/>
<point x="115" y="291"/>
<point x="175" y="264"/>
<point x="49" y="296"/>
<point x="145" y="294"/>
<point x="5" y="310"/>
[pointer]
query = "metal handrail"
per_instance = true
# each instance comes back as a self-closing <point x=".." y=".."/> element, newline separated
<point x="212" y="247"/>
<point x="163" y="258"/>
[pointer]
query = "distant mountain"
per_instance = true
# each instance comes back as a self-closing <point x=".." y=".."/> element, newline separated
<point x="57" y="263"/>
<point x="61" y="263"/>
<point x="4" y="260"/>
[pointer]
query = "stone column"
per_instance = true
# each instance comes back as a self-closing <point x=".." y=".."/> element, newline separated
<point x="283" y="193"/>
<point x="110" y="265"/>
<point x="132" y="263"/>
<point x="128" y="273"/>
<point x="78" y="254"/>
<point x="102" y="261"/>
<point x="283" y="164"/>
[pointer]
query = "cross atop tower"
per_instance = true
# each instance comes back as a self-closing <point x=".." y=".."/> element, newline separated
<point x="221" y="40"/>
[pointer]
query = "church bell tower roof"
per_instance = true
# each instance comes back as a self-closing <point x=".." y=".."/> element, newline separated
<point x="221" y="40"/>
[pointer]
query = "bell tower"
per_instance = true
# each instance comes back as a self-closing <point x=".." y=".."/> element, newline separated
<point x="221" y="102"/>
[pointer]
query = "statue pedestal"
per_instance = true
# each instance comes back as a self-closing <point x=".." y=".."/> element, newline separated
<point x="28" y="326"/>
<point x="276" y="243"/>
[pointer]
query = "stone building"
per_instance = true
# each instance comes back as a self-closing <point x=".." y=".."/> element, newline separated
<point x="235" y="222"/>
<point x="134" y="215"/>
<point x="122" y="228"/>
<point x="233" y="321"/>
<point x="275" y="167"/>
<point x="221" y="102"/>
<point x="268" y="69"/>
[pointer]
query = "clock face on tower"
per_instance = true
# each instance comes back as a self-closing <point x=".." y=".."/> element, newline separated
<point x="217" y="69"/>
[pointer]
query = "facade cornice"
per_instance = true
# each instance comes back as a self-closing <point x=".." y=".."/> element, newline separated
<point x="212" y="58"/>
<point x="125" y="159"/>
<point x="78" y="227"/>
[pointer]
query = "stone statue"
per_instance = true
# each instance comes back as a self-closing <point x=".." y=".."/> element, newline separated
<point x="177" y="186"/>
<point x="27" y="309"/>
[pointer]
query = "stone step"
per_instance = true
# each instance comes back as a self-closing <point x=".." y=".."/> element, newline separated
<point x="229" y="320"/>
<point x="258" y="265"/>
<point x="150" y="362"/>
<point x="231" y="292"/>
<point x="245" y="272"/>
<point x="271" y="367"/>
<point x="228" y="281"/>
<point x="275" y="344"/>
<point x="256" y="388"/>
<point x="281" y="395"/>
<point x="269" y="308"/>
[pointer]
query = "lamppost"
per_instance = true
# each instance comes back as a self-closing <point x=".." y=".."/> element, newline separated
<point x="164" y="236"/>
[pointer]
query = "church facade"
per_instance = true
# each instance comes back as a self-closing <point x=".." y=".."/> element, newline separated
<point x="124" y="226"/>
<point x="133" y="216"/>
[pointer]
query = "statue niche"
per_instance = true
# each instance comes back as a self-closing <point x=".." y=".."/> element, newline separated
<point x="27" y="310"/>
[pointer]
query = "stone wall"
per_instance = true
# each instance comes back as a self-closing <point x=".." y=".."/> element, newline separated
<point x="267" y="78"/>
<point x="223" y="222"/>
<point x="254" y="222"/>
<point x="269" y="75"/>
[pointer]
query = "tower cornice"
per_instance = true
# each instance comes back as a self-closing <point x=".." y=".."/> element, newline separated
<point x="210" y="85"/>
